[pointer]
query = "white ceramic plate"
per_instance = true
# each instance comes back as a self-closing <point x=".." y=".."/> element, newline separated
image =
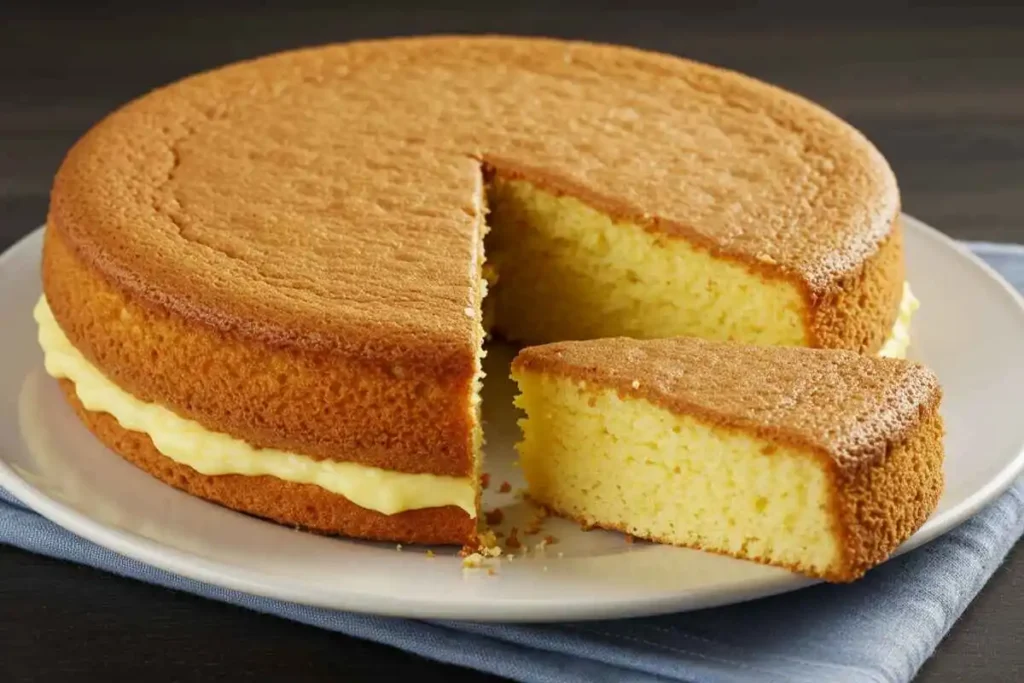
<point x="969" y="330"/>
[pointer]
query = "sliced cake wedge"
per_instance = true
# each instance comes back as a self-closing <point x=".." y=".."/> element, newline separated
<point x="819" y="461"/>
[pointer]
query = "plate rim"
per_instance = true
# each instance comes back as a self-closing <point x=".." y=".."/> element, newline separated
<point x="188" y="565"/>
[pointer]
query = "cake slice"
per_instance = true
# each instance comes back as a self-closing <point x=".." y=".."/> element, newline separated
<point x="819" y="461"/>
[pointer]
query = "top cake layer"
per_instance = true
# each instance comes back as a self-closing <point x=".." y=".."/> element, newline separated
<point x="331" y="198"/>
<point x="850" y="407"/>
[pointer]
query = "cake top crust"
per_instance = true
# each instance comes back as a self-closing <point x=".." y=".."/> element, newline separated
<point x="332" y="197"/>
<point x="849" y="406"/>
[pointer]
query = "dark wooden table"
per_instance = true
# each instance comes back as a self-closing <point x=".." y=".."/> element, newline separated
<point x="941" y="92"/>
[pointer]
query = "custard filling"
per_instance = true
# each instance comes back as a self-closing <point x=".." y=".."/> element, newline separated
<point x="899" y="339"/>
<point x="213" y="453"/>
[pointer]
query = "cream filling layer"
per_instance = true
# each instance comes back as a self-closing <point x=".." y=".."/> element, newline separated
<point x="899" y="340"/>
<point x="213" y="453"/>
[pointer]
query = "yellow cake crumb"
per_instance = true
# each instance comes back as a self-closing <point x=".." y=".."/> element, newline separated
<point x="473" y="561"/>
<point x="487" y="539"/>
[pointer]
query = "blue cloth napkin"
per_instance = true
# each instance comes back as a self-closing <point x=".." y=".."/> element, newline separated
<point x="877" y="630"/>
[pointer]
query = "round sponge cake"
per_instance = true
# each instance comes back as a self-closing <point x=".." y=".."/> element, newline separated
<point x="290" y="250"/>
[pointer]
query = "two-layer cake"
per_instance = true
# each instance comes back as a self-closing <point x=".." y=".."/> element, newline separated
<point x="266" y="284"/>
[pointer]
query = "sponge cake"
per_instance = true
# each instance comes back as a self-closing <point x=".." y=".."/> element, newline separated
<point x="286" y="255"/>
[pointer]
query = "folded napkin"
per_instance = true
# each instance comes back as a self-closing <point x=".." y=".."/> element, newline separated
<point x="877" y="630"/>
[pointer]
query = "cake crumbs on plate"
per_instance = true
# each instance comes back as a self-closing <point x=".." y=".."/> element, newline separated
<point x="539" y="514"/>
<point x="630" y="539"/>
<point x="513" y="539"/>
<point x="491" y="572"/>
<point x="485" y="480"/>
<point x="494" y="517"/>
<point x="430" y="553"/>
<point x="398" y="547"/>
<point x="545" y="542"/>
<point x="473" y="561"/>
<point x="505" y="487"/>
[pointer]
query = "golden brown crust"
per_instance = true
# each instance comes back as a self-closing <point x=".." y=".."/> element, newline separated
<point x="398" y="415"/>
<point x="858" y="313"/>
<point x="302" y="505"/>
<point x="241" y="175"/>
<point x="849" y="407"/>
<point x="879" y="507"/>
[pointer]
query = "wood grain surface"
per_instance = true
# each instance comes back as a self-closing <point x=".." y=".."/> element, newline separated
<point x="940" y="91"/>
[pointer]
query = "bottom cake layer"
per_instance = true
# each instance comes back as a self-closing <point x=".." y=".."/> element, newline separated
<point x="306" y="506"/>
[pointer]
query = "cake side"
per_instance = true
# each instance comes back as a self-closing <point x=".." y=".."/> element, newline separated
<point x="396" y="416"/>
<point x="860" y="307"/>
<point x="877" y="508"/>
<point x="299" y="505"/>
